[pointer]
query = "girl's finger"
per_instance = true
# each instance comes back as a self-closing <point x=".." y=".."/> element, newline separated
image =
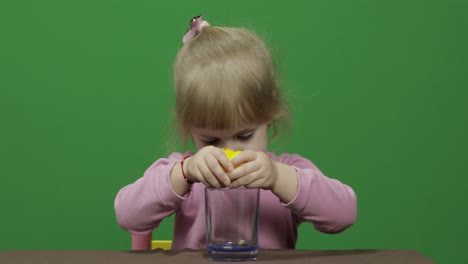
<point x="246" y="180"/>
<point x="244" y="157"/>
<point x="245" y="169"/>
<point x="198" y="175"/>
<point x="217" y="170"/>
<point x="208" y="176"/>
<point x="223" y="160"/>
<point x="257" y="183"/>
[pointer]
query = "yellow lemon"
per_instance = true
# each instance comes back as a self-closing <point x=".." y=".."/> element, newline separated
<point x="230" y="153"/>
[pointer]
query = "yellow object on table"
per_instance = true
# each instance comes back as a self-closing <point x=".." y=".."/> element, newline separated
<point x="163" y="244"/>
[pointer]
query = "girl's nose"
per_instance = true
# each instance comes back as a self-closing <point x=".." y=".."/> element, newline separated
<point x="232" y="146"/>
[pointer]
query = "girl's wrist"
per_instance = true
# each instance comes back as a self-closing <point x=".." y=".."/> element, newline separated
<point x="179" y="185"/>
<point x="278" y="167"/>
<point x="183" y="167"/>
<point x="286" y="183"/>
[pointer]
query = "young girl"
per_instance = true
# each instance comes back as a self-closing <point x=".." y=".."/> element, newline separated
<point x="227" y="96"/>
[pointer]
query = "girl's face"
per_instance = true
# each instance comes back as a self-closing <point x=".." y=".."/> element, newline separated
<point x="252" y="137"/>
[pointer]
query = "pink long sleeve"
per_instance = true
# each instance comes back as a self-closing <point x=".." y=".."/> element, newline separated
<point x="142" y="205"/>
<point x="327" y="203"/>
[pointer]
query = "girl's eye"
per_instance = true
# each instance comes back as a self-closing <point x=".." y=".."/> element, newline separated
<point x="211" y="142"/>
<point x="245" y="137"/>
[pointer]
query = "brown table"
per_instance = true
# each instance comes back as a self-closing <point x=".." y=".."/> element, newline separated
<point x="195" y="256"/>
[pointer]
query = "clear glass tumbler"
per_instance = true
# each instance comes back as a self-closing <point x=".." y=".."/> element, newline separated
<point x="232" y="223"/>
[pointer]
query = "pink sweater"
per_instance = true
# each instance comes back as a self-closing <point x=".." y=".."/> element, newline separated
<point x="327" y="203"/>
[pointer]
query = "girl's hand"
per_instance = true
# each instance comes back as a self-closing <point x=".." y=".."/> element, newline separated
<point x="209" y="166"/>
<point x="257" y="170"/>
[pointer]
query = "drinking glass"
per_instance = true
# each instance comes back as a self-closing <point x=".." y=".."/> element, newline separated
<point x="232" y="223"/>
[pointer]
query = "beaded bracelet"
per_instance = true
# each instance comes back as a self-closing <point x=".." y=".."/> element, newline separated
<point x="183" y="173"/>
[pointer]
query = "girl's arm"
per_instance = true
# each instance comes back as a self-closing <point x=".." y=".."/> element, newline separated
<point x="329" y="204"/>
<point x="142" y="205"/>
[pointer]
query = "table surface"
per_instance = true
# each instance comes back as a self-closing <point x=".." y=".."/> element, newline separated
<point x="198" y="256"/>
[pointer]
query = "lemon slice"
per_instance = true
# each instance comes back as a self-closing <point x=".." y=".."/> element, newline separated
<point x="230" y="153"/>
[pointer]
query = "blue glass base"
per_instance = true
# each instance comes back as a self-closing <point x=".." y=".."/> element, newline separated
<point x="231" y="252"/>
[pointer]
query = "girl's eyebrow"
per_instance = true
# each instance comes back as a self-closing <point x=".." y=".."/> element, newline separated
<point x="245" y="131"/>
<point x="207" y="137"/>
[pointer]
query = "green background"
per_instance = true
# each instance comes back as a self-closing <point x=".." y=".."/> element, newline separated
<point x="377" y="91"/>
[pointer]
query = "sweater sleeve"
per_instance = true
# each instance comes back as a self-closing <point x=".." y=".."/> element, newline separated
<point x="327" y="203"/>
<point x="141" y="206"/>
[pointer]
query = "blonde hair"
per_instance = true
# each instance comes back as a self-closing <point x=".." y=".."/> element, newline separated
<point x="224" y="78"/>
